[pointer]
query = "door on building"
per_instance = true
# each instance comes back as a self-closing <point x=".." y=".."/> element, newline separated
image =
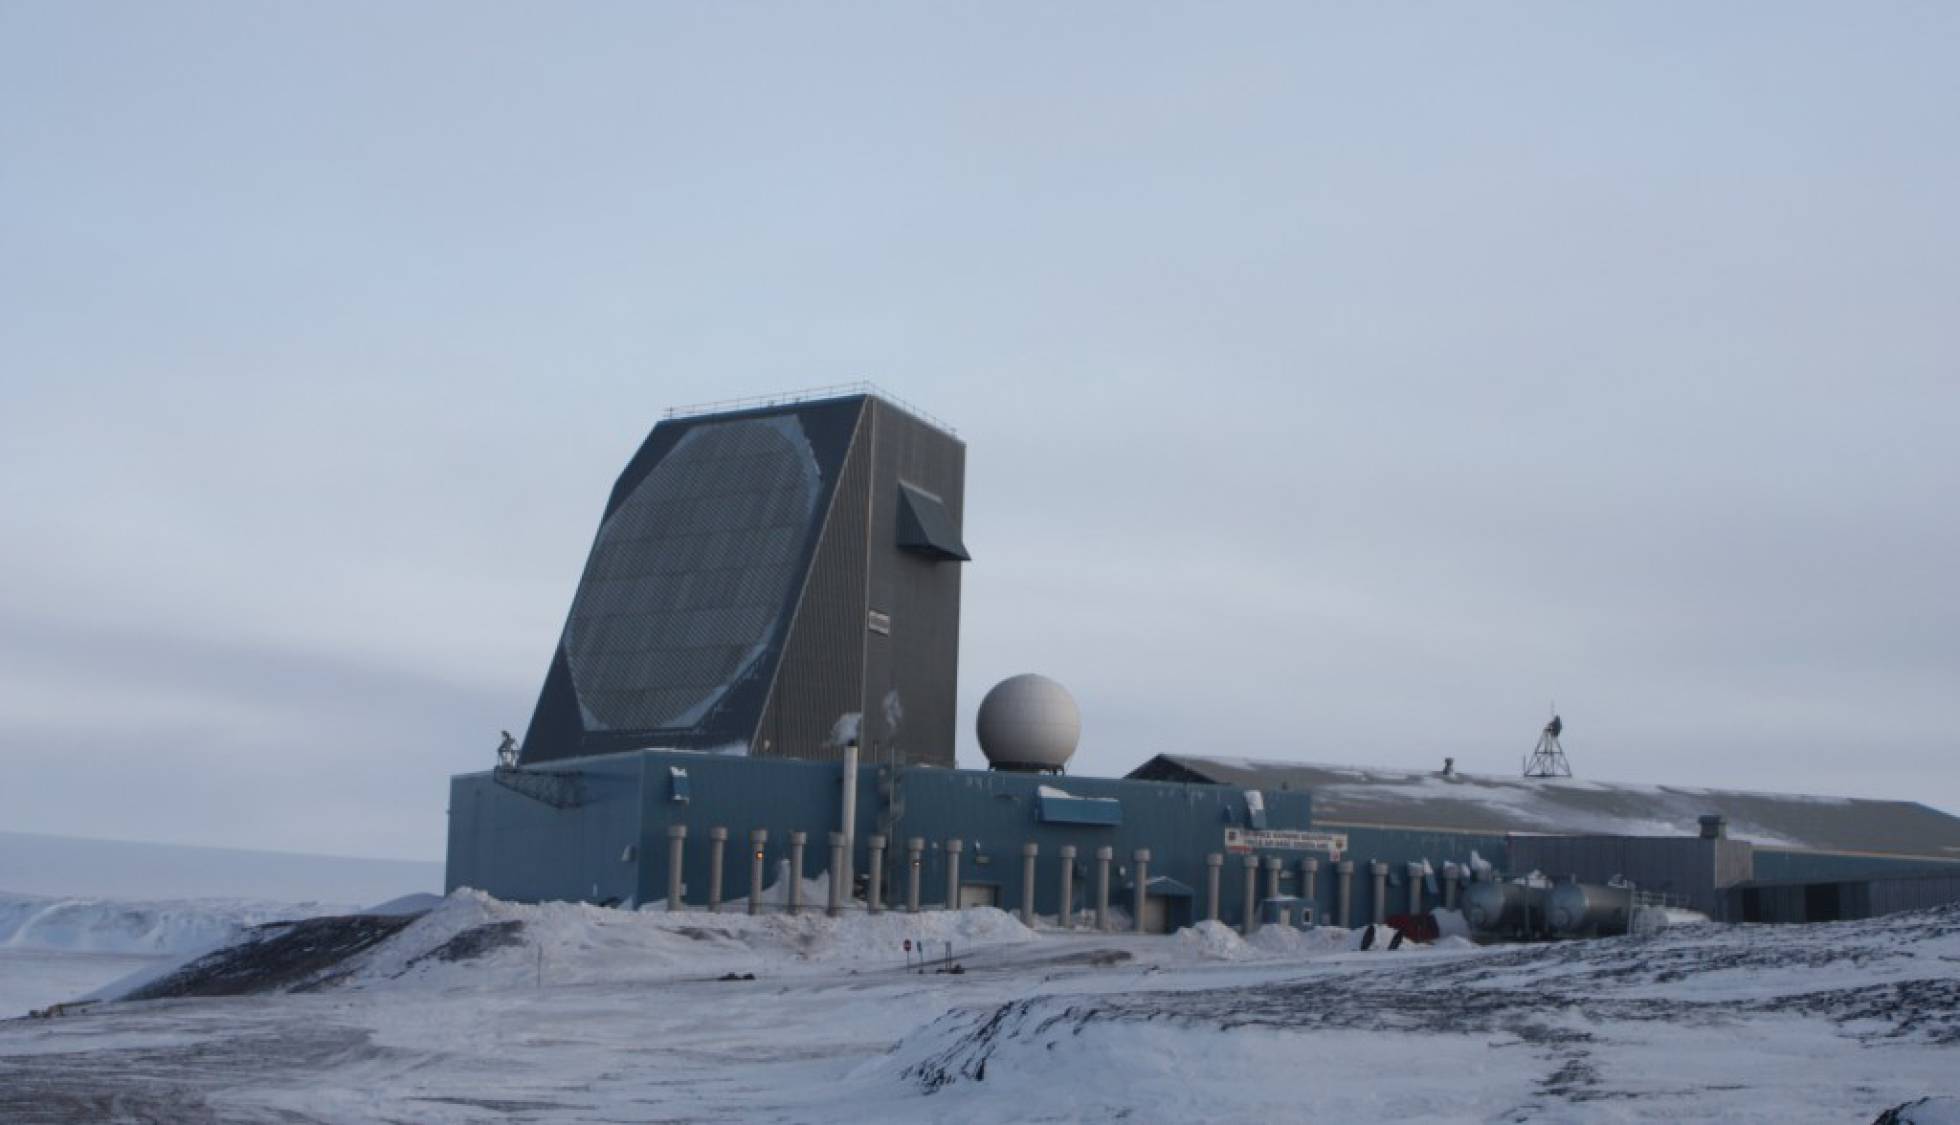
<point x="1156" y="914"/>
<point x="979" y="894"/>
<point x="1752" y="904"/>
<point x="1821" y="903"/>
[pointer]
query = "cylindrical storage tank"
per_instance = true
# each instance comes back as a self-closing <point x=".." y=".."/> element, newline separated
<point x="1588" y="908"/>
<point x="1495" y="908"/>
<point x="1028" y="722"/>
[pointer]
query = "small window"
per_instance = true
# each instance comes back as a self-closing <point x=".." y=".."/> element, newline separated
<point x="677" y="784"/>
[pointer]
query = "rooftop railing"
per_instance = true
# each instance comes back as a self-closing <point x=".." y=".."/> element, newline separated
<point x="813" y="394"/>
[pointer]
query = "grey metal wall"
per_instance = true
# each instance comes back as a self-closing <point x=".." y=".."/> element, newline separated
<point x="1835" y="900"/>
<point x="1777" y="865"/>
<point x="912" y="671"/>
<point x="900" y="680"/>
<point x="821" y="676"/>
<point x="1691" y="868"/>
<point x="1911" y="892"/>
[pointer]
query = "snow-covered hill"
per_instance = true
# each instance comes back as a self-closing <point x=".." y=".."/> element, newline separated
<point x="143" y="929"/>
<point x="66" y="866"/>
<point x="487" y="1011"/>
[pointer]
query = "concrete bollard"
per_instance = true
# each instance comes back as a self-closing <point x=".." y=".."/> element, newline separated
<point x="1142" y="898"/>
<point x="676" y="844"/>
<point x="796" y="870"/>
<point x="1251" y="922"/>
<point x="717" y="843"/>
<point x="874" y="891"/>
<point x="1028" y="852"/>
<point x="1415" y="888"/>
<point x="1379" y="869"/>
<point x="1068" y="886"/>
<point x="1213" y="863"/>
<point x="953" y="873"/>
<point x="837" y="875"/>
<point x="1103" y="855"/>
<point x="914" y="859"/>
<point x="1310" y="886"/>
<point x="757" y="838"/>
<point x="1273" y="865"/>
<point x="1450" y="872"/>
<point x="1344" y="891"/>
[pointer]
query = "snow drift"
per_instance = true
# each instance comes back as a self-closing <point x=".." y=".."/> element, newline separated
<point x="95" y="925"/>
<point x="473" y="941"/>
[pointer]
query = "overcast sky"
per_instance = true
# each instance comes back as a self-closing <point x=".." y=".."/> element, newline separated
<point x="1343" y="384"/>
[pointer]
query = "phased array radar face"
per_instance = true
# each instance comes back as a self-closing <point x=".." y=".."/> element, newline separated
<point x="692" y="575"/>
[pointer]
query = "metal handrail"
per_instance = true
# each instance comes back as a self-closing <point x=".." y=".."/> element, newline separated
<point x="813" y="394"/>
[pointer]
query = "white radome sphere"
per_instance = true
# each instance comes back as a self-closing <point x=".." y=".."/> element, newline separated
<point x="1029" y="722"/>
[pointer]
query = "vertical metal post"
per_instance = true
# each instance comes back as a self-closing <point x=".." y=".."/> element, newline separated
<point x="1379" y="869"/>
<point x="1142" y="897"/>
<point x="1415" y="887"/>
<point x="1068" y="886"/>
<point x="1310" y="887"/>
<point x="1028" y="852"/>
<point x="1213" y="863"/>
<point x="1450" y="872"/>
<point x="1251" y="921"/>
<point x="676" y="841"/>
<point x="1344" y="883"/>
<point x="953" y="873"/>
<point x="757" y="838"/>
<point x="836" y="904"/>
<point x="796" y="870"/>
<point x="847" y="818"/>
<point x="1273" y="864"/>
<point x="1103" y="855"/>
<point x="717" y="843"/>
<point x="874" y="892"/>
<point x="914" y="858"/>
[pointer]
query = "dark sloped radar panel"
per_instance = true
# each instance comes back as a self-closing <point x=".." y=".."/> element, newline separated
<point x="691" y="576"/>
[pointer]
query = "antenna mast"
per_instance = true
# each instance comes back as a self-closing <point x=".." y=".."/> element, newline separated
<point x="1548" y="757"/>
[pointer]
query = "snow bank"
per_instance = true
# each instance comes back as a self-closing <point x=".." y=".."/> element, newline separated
<point x="1215" y="941"/>
<point x="1924" y="1111"/>
<point x="94" y="925"/>
<point x="474" y="941"/>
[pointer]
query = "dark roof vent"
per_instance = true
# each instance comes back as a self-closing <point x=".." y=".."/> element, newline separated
<point x="925" y="528"/>
<point x="1714" y="826"/>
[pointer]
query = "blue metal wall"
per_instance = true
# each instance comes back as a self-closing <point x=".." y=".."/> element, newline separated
<point x="614" y="846"/>
<point x="519" y="848"/>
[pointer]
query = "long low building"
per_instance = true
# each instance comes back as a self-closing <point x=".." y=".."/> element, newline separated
<point x="1703" y="846"/>
<point x="1358" y="845"/>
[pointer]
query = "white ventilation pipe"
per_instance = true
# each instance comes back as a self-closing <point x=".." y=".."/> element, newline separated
<point x="849" y="816"/>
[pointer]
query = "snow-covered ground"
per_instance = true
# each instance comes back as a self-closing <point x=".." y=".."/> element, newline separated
<point x="488" y="1011"/>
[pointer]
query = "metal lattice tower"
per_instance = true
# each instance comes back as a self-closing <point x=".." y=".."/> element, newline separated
<point x="1548" y="757"/>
